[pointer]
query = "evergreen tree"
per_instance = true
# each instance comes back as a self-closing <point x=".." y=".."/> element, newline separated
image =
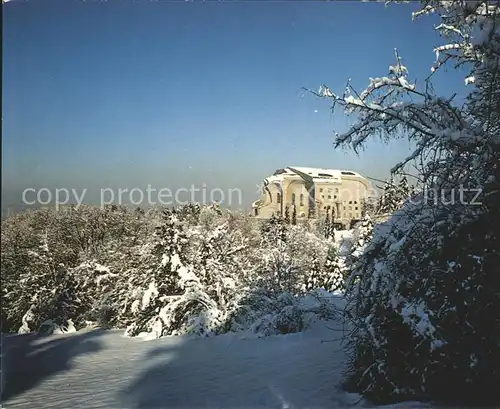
<point x="363" y="234"/>
<point x="404" y="191"/>
<point x="326" y="226"/>
<point x="168" y="277"/>
<point x="287" y="215"/>
<point x="331" y="233"/>
<point x="315" y="277"/>
<point x="294" y="215"/>
<point x="404" y="187"/>
<point x="390" y="199"/>
<point x="191" y="212"/>
<point x="369" y="207"/>
<point x="335" y="273"/>
<point x="274" y="230"/>
<point x="329" y="275"/>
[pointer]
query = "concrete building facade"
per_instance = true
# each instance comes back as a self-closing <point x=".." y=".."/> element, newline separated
<point x="313" y="192"/>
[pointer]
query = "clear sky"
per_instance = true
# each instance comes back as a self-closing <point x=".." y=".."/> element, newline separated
<point x="130" y="93"/>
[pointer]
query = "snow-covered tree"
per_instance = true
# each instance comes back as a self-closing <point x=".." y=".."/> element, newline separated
<point x="362" y="235"/>
<point x="328" y="226"/>
<point x="286" y="217"/>
<point x="303" y="247"/>
<point x="165" y="279"/>
<point x="329" y="275"/>
<point x="193" y="269"/>
<point x="47" y="292"/>
<point x="278" y="272"/>
<point x="274" y="230"/>
<point x="194" y="286"/>
<point x="191" y="212"/>
<point x="430" y="268"/>
<point x="404" y="188"/>
<point x="294" y="215"/>
<point x="389" y="200"/>
<point x="369" y="207"/>
<point x="335" y="272"/>
<point x="315" y="277"/>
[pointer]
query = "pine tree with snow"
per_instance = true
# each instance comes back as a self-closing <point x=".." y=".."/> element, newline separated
<point x="315" y="277"/>
<point x="166" y="280"/>
<point x="171" y="243"/>
<point x="215" y="207"/>
<point x="327" y="226"/>
<point x="329" y="229"/>
<point x="335" y="273"/>
<point x="274" y="230"/>
<point x="332" y="225"/>
<point x="214" y="292"/>
<point x="403" y="189"/>
<point x="190" y="213"/>
<point x="390" y="199"/>
<point x="363" y="233"/>
<point x="368" y="207"/>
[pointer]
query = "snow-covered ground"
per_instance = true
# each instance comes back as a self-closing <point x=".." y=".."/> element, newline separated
<point x="104" y="369"/>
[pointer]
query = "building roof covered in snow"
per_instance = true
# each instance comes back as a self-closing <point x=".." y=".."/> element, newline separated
<point x="319" y="174"/>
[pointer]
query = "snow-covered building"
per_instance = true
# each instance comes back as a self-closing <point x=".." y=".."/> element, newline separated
<point x="313" y="192"/>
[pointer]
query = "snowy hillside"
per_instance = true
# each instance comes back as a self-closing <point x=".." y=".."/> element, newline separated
<point x="104" y="369"/>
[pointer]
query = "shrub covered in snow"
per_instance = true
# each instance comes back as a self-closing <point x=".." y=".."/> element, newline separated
<point x="266" y="313"/>
<point x="422" y="298"/>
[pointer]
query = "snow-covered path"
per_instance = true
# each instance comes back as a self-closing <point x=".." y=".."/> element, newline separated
<point x="103" y="369"/>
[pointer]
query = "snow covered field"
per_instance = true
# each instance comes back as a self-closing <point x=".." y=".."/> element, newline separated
<point x="104" y="369"/>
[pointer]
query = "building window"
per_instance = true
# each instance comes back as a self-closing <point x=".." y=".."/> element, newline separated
<point x="293" y="199"/>
<point x="344" y="208"/>
<point x="336" y="190"/>
<point x="355" y="202"/>
<point x="350" y="207"/>
<point x="278" y="197"/>
<point x="335" y="196"/>
<point x="350" y="201"/>
<point x="350" y="215"/>
<point x="320" y="190"/>
<point x="356" y="208"/>
<point x="329" y="197"/>
<point x="301" y="199"/>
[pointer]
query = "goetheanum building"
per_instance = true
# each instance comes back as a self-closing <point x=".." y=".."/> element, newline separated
<point x="313" y="193"/>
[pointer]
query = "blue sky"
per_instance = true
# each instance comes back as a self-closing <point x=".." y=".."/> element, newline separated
<point x="126" y="94"/>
